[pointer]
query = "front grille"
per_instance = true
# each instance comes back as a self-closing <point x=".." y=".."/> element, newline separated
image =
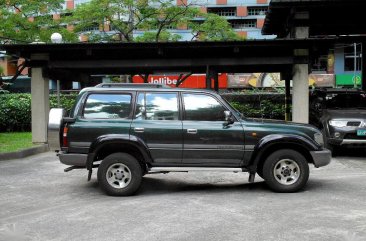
<point x="353" y="123"/>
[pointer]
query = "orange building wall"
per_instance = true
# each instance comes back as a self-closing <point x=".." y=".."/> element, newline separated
<point x="243" y="34"/>
<point x="260" y="22"/>
<point x="181" y="2"/>
<point x="262" y="1"/>
<point x="70" y="4"/>
<point x="241" y="11"/>
<point x="221" y="2"/>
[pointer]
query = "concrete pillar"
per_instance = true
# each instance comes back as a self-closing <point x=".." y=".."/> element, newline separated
<point x="40" y="106"/>
<point x="300" y="96"/>
<point x="300" y="79"/>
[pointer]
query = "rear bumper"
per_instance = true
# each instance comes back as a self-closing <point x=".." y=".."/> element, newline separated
<point x="72" y="159"/>
<point x="321" y="158"/>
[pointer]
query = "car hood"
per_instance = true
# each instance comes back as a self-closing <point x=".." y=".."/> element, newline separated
<point x="345" y="113"/>
<point x="283" y="125"/>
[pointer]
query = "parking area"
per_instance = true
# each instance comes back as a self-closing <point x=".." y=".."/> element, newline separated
<point x="38" y="201"/>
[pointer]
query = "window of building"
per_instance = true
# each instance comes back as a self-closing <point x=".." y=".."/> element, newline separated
<point x="90" y="28"/>
<point x="225" y="12"/>
<point x="107" y="106"/>
<point x="254" y="11"/>
<point x="244" y="23"/>
<point x="320" y="63"/>
<point x="350" y="57"/>
<point x="200" y="107"/>
<point x="157" y="106"/>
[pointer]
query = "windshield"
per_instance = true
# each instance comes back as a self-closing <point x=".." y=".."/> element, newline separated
<point x="346" y="100"/>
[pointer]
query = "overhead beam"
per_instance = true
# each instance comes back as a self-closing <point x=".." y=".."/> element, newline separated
<point x="186" y="62"/>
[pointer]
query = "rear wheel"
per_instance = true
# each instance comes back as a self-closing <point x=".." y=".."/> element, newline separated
<point x="286" y="171"/>
<point x="120" y="174"/>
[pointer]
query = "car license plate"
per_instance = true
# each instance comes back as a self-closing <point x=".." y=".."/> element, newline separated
<point x="361" y="132"/>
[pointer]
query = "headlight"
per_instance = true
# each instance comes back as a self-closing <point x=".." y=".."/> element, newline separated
<point x="338" y="123"/>
<point x="318" y="137"/>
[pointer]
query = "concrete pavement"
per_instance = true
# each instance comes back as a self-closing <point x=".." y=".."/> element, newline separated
<point x="38" y="201"/>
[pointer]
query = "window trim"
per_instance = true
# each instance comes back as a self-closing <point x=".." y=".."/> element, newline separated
<point x="86" y="97"/>
<point x="177" y="93"/>
<point x="207" y="94"/>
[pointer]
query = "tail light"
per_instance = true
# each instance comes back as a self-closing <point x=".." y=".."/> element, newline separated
<point x="64" y="137"/>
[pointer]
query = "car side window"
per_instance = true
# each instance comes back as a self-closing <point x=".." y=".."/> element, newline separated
<point x="199" y="107"/>
<point x="157" y="106"/>
<point x="107" y="106"/>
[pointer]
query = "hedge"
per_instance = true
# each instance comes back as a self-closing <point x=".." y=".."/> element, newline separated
<point x="15" y="110"/>
<point x="258" y="105"/>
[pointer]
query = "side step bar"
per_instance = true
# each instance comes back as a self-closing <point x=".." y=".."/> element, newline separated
<point x="194" y="169"/>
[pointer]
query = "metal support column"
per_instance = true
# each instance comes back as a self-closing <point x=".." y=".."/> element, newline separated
<point x="363" y="75"/>
<point x="287" y="77"/>
<point x="208" y="78"/>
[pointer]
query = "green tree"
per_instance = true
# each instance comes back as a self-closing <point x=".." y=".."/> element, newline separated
<point x="214" y="28"/>
<point x="154" y="18"/>
<point x="31" y="20"/>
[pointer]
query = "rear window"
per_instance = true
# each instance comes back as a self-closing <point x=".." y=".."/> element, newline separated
<point x="107" y="106"/>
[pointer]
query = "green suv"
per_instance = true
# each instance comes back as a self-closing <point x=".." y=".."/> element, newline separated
<point x="129" y="130"/>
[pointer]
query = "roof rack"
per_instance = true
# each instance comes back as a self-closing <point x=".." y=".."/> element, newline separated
<point x="130" y="85"/>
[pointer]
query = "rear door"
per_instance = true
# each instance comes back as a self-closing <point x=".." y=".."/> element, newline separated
<point x="158" y="123"/>
<point x="207" y="140"/>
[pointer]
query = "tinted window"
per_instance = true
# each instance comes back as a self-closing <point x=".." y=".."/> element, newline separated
<point x="203" y="108"/>
<point x="107" y="106"/>
<point x="345" y="100"/>
<point x="157" y="106"/>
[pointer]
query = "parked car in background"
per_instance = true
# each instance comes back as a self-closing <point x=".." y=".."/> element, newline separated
<point x="341" y="115"/>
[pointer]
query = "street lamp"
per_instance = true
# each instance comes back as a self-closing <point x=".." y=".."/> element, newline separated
<point x="56" y="38"/>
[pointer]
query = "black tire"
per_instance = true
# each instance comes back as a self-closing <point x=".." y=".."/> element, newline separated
<point x="292" y="167"/>
<point x="124" y="174"/>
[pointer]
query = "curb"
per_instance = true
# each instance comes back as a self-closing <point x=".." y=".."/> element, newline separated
<point x="24" y="153"/>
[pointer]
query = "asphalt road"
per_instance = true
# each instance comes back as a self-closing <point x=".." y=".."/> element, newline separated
<point x="38" y="201"/>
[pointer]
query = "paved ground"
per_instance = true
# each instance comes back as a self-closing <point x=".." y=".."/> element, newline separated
<point x="38" y="201"/>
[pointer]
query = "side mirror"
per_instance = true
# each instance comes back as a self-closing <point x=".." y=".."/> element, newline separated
<point x="228" y="118"/>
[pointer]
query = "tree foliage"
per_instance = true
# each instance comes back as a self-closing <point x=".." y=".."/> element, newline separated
<point x="31" y="20"/>
<point x="214" y="28"/>
<point x="153" y="19"/>
<point x="109" y="20"/>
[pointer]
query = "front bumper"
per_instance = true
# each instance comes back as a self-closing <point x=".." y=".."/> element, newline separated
<point x="72" y="159"/>
<point x="321" y="158"/>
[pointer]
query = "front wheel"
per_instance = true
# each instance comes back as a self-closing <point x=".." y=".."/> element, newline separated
<point x="120" y="174"/>
<point x="286" y="171"/>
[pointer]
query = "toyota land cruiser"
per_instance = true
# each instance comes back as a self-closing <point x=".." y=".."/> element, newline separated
<point x="127" y="131"/>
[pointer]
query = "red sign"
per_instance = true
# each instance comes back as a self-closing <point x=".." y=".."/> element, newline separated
<point x="197" y="81"/>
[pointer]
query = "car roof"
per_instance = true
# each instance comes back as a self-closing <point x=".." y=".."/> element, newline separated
<point x="110" y="87"/>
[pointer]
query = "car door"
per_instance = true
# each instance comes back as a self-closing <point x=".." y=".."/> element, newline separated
<point x="158" y="123"/>
<point x="207" y="141"/>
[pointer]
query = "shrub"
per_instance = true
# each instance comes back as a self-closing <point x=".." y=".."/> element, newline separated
<point x="258" y="105"/>
<point x="15" y="110"/>
<point x="266" y="110"/>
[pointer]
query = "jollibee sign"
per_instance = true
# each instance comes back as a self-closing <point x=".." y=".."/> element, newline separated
<point x="193" y="81"/>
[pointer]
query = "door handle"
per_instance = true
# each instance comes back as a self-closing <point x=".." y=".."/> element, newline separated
<point x="192" y="131"/>
<point x="139" y="129"/>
